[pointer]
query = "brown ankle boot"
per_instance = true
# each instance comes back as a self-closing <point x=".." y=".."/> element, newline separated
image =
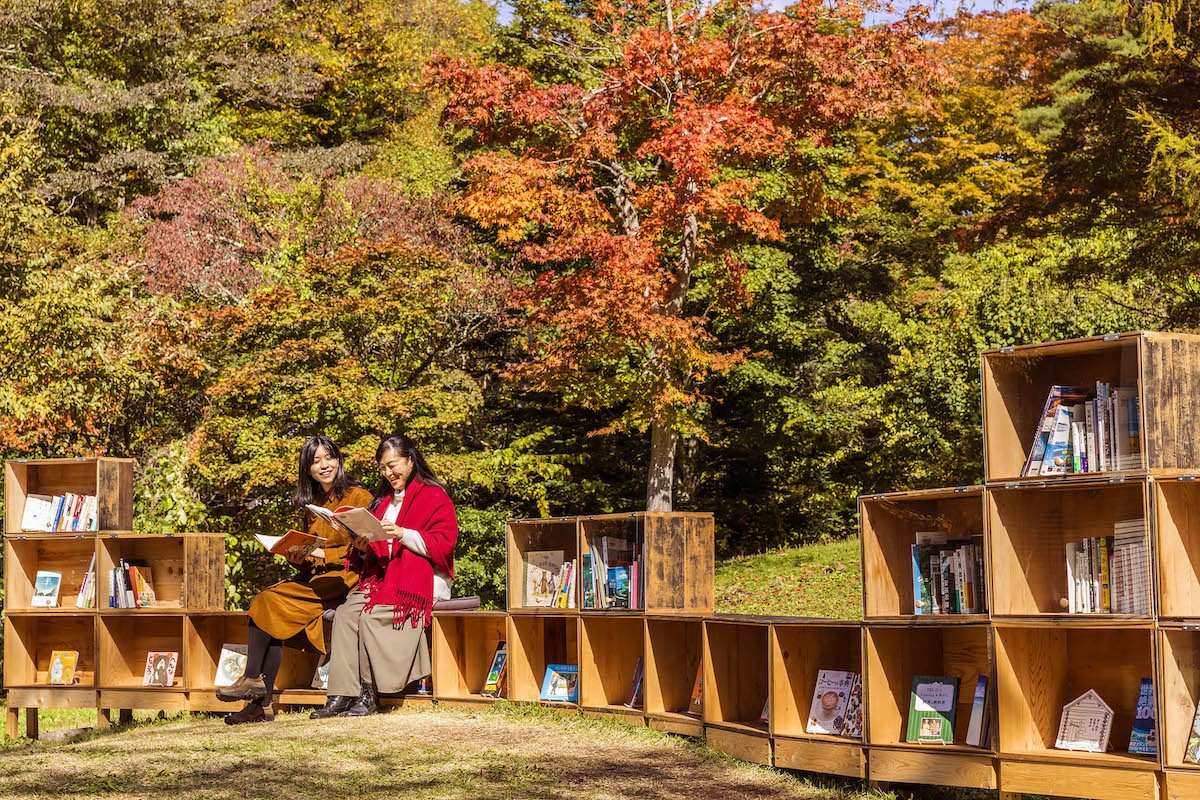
<point x="244" y="688"/>
<point x="251" y="712"/>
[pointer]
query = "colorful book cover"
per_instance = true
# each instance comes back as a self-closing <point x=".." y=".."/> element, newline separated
<point x="1144" y="739"/>
<point x="160" y="669"/>
<point x="618" y="586"/>
<point x="62" y="667"/>
<point x="696" y="703"/>
<point x="493" y="685"/>
<point x="976" y="734"/>
<point x="561" y="684"/>
<point x="635" y="688"/>
<point x="931" y="709"/>
<point x="45" y="589"/>
<point x="826" y="713"/>
<point x="541" y="567"/>
<point x="852" y="720"/>
<point x="1191" y="754"/>
<point x="230" y="665"/>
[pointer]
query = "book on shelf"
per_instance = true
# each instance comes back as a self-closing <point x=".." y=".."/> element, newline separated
<point x="62" y="667"/>
<point x="1143" y="739"/>
<point x="45" y="589"/>
<point x="564" y="586"/>
<point x="294" y="543"/>
<point x="541" y="568"/>
<point x="1108" y="574"/>
<point x="60" y="513"/>
<point x="320" y="678"/>
<point x="947" y="573"/>
<point x="831" y="696"/>
<point x="931" y="709"/>
<point x="979" y="723"/>
<point x="38" y="514"/>
<point x="1085" y="724"/>
<point x="634" y="698"/>
<point x="87" y="590"/>
<point x="493" y="684"/>
<point x="764" y="716"/>
<point x="696" y="702"/>
<point x="1086" y="430"/>
<point x="613" y="567"/>
<point x="230" y="665"/>
<point x="160" y="668"/>
<point x="561" y="683"/>
<point x="131" y="585"/>
<point x="357" y="522"/>
<point x="852" y="720"/>
<point x="1191" y="753"/>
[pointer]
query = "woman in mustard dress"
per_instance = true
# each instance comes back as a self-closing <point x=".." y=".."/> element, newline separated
<point x="290" y="611"/>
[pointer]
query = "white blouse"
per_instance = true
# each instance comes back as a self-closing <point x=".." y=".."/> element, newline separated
<point x="413" y="541"/>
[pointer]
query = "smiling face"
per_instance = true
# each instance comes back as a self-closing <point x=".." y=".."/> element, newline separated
<point x="396" y="469"/>
<point x="324" y="468"/>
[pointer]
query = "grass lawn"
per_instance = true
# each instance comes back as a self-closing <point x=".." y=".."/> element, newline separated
<point x="821" y="580"/>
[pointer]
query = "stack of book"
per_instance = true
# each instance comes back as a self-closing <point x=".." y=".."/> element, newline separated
<point x="612" y="575"/>
<point x="64" y="512"/>
<point x="1085" y="430"/>
<point x="130" y="586"/>
<point x="87" y="591"/>
<point x="549" y="579"/>
<point x="1107" y="574"/>
<point x="947" y="572"/>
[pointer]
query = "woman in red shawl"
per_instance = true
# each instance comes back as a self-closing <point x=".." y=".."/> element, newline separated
<point x="379" y="642"/>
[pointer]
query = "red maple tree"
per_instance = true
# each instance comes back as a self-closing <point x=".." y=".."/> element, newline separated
<point x="648" y="143"/>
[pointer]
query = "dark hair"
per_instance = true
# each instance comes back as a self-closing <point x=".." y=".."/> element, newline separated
<point x="307" y="489"/>
<point x="406" y="448"/>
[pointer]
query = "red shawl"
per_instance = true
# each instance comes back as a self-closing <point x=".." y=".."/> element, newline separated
<point x="405" y="581"/>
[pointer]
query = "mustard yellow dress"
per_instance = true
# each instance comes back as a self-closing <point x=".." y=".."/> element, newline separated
<point x="291" y="610"/>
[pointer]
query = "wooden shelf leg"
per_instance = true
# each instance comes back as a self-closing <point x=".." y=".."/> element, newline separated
<point x="126" y="716"/>
<point x="881" y="786"/>
<point x="11" y="722"/>
<point x="103" y="718"/>
<point x="31" y="723"/>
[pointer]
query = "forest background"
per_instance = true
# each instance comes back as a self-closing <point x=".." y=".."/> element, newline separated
<point x="602" y="256"/>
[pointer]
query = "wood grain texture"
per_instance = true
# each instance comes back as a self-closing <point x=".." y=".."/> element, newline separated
<point x="679" y="724"/>
<point x="746" y="746"/>
<point x="798" y="654"/>
<point x="829" y="758"/>
<point x="114" y="494"/>
<point x="927" y="766"/>
<point x="203" y="585"/>
<point x="29" y="641"/>
<point x="610" y="649"/>
<point x="122" y="644"/>
<point x="52" y="697"/>
<point x="1177" y="547"/>
<point x="463" y="647"/>
<point x="151" y="698"/>
<point x="674" y="653"/>
<point x="526" y="536"/>
<point x="534" y="642"/>
<point x="1178" y="692"/>
<point x="1097" y="783"/>
<point x="1181" y="785"/>
<point x="735" y="672"/>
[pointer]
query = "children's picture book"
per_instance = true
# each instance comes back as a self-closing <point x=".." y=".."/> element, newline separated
<point x="1143" y="739"/>
<point x="160" y="669"/>
<point x="1085" y="724"/>
<point x="39" y="513"/>
<point x="493" y="684"/>
<point x="297" y="544"/>
<point x="45" y="589"/>
<point x="541" y="568"/>
<point x="1191" y="754"/>
<point x="354" y="521"/>
<point x="827" y="713"/>
<point x="931" y="709"/>
<point x="852" y="720"/>
<point x="62" y="667"/>
<point x="633" y="700"/>
<point x="977" y="726"/>
<point x="230" y="665"/>
<point x="696" y="703"/>
<point x="561" y="684"/>
<point x="618" y="586"/>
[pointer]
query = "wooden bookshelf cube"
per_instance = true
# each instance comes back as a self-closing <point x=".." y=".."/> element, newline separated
<point x="187" y="569"/>
<point x="610" y="646"/>
<point x="1179" y="687"/>
<point x="1163" y="366"/>
<point x="109" y="479"/>
<point x="736" y="685"/>
<point x="1029" y="526"/>
<point x="1041" y="668"/>
<point x="122" y="649"/>
<point x="674" y="654"/>
<point x="894" y="655"/>
<point x="535" y="641"/>
<point x="889" y="526"/>
<point x="1177" y="546"/>
<point x="531" y="535"/>
<point x="68" y="554"/>
<point x="799" y="651"/>
<point x="1180" y="785"/>
<point x="464" y="643"/>
<point x="31" y="637"/>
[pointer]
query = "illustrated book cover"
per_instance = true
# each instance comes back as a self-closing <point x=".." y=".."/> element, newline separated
<point x="541" y="569"/>
<point x="1086" y="724"/>
<point x="852" y="720"/>
<point x="493" y="684"/>
<point x="1143" y="739"/>
<point x="561" y="684"/>
<point x="931" y="709"/>
<point x="297" y="544"/>
<point x="62" y="667"/>
<point x="230" y="665"/>
<point x="160" y="668"/>
<point x="696" y="703"/>
<point x="39" y="513"/>
<point x="826" y="714"/>
<point x="1191" y="753"/>
<point x="45" y="589"/>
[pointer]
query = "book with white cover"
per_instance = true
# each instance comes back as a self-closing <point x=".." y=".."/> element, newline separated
<point x="45" y="589"/>
<point x="39" y="513"/>
<point x="1086" y="724"/>
<point x="826" y="715"/>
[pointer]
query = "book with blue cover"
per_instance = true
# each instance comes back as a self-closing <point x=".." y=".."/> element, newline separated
<point x="561" y="684"/>
<point x="1143" y="739"/>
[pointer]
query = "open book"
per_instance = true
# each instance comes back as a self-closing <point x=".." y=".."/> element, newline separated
<point x="295" y="543"/>
<point x="354" y="521"/>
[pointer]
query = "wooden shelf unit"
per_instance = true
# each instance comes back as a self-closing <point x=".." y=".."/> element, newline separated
<point x="464" y="643"/>
<point x="1178" y="681"/>
<point x="109" y="479"/>
<point x="535" y="641"/>
<point x="799" y="650"/>
<point x="67" y="553"/>
<point x="896" y="653"/>
<point x="1029" y="526"/>
<point x="187" y="569"/>
<point x="736" y="686"/>
<point x="889" y="524"/>
<point x="1176" y="537"/>
<point x="610" y="646"/>
<point x="674" y="654"/>
<point x="1165" y="368"/>
<point x="530" y="535"/>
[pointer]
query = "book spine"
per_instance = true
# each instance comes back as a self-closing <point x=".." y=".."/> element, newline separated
<point x="1105" y="576"/>
<point x="1089" y="413"/>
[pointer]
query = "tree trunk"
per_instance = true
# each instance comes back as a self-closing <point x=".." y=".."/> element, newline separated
<point x="660" y="479"/>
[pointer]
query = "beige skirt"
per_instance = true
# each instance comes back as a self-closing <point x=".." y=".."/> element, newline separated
<point x="367" y="649"/>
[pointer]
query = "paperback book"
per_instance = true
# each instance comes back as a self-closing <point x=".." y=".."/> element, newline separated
<point x="1086" y="724"/>
<point x="62" y="667"/>
<point x="294" y="543"/>
<point x="852" y="725"/>
<point x="1143" y="739"/>
<point x="160" y="669"/>
<point x="980" y="722"/>
<point x="1086" y="430"/>
<point x="561" y="684"/>
<point x="831" y="695"/>
<point x="45" y="589"/>
<point x="493" y="684"/>
<point x="230" y="665"/>
<point x="67" y="512"/>
<point x="696" y="702"/>
<point x="541" y="569"/>
<point x="634" y="699"/>
<point x="355" y="522"/>
<point x="931" y="709"/>
<point x="947" y="572"/>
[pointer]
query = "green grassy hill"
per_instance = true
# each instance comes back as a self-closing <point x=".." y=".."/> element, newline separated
<point x="821" y="580"/>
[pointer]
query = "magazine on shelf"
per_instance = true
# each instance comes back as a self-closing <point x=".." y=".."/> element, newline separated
<point x="831" y="695"/>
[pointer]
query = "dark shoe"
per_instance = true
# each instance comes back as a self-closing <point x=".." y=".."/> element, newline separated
<point x="333" y="707"/>
<point x="243" y="688"/>
<point x="366" y="704"/>
<point x="251" y="712"/>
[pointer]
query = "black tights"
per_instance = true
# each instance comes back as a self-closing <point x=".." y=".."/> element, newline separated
<point x="264" y="653"/>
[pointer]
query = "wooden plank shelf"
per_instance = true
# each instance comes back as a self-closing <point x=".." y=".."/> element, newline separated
<point x="932" y="764"/>
<point x="1024" y="775"/>
<point x="837" y="756"/>
<point x="463" y="644"/>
